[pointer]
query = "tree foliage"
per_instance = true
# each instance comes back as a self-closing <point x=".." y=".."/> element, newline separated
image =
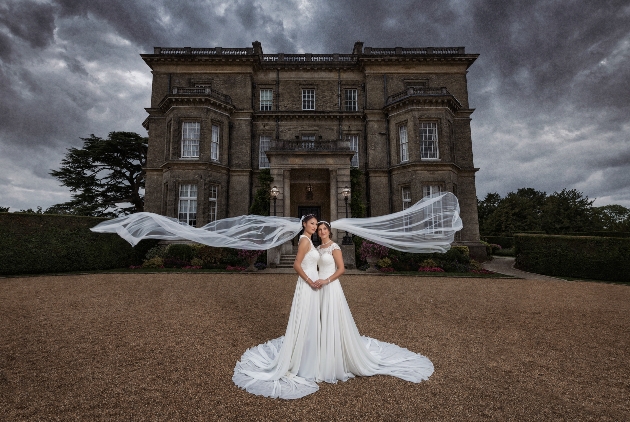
<point x="104" y="174"/>
<point x="262" y="197"/>
<point x="529" y="210"/>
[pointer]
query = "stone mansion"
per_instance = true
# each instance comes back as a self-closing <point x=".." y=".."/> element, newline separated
<point x="220" y="115"/>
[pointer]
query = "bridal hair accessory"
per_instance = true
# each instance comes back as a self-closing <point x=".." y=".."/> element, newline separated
<point x="307" y="216"/>
<point x="427" y="226"/>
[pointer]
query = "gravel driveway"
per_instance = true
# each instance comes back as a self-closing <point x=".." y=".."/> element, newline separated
<point x="163" y="347"/>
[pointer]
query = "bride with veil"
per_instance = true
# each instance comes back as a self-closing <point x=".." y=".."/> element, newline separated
<point x="321" y="342"/>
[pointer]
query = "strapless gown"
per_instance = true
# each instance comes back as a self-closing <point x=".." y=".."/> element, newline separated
<point x="321" y="343"/>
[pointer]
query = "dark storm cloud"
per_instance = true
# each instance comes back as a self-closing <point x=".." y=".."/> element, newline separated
<point x="549" y="88"/>
<point x="33" y="22"/>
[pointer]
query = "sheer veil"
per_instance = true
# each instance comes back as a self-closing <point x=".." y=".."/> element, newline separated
<point x="427" y="226"/>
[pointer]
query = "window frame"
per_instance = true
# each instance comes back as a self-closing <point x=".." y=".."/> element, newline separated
<point x="189" y="144"/>
<point x="403" y="146"/>
<point x="307" y="100"/>
<point x="213" y="200"/>
<point x="215" y="142"/>
<point x="351" y="104"/>
<point x="263" y="160"/>
<point x="190" y="201"/>
<point x="429" y="144"/>
<point x="267" y="103"/>
<point x="353" y="138"/>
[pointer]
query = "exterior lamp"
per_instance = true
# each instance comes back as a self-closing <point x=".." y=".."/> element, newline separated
<point x="274" y="194"/>
<point x="347" y="239"/>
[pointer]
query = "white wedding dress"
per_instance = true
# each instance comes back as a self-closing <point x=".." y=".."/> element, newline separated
<point x="321" y="343"/>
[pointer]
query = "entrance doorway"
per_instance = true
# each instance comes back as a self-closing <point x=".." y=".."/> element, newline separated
<point x="316" y="211"/>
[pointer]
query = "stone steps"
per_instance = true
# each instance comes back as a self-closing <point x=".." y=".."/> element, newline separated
<point x="286" y="261"/>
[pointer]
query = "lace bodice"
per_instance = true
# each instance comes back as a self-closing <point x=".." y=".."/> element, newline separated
<point x="309" y="263"/>
<point x="326" y="262"/>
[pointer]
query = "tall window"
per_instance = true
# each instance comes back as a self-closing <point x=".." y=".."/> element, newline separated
<point x="431" y="190"/>
<point x="428" y="140"/>
<point x="435" y="222"/>
<point x="406" y="197"/>
<point x="214" y="145"/>
<point x="190" y="140"/>
<point x="404" y="144"/>
<point x="266" y="99"/>
<point x="188" y="204"/>
<point x="354" y="146"/>
<point x="350" y="100"/>
<point x="212" y="214"/>
<point x="308" y="99"/>
<point x="263" y="161"/>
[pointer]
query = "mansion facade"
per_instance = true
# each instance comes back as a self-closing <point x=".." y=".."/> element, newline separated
<point x="219" y="116"/>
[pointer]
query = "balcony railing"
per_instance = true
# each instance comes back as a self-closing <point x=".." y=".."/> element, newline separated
<point x="302" y="145"/>
<point x="203" y="51"/>
<point x="203" y="91"/>
<point x="418" y="92"/>
<point x="308" y="58"/>
<point x="415" y="50"/>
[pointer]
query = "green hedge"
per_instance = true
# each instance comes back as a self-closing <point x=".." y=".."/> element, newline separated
<point x="47" y="243"/>
<point x="591" y="257"/>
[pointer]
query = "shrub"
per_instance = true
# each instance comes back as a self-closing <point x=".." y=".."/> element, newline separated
<point x="175" y="263"/>
<point x="369" y="249"/>
<point x="196" y="262"/>
<point x="384" y="263"/>
<point x="180" y="252"/>
<point x="598" y="258"/>
<point x="158" y="251"/>
<point x="428" y="263"/>
<point x="386" y="270"/>
<point x="463" y="249"/>
<point x="155" y="262"/>
<point x="503" y="241"/>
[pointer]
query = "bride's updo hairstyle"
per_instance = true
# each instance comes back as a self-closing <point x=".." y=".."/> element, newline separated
<point x="327" y="224"/>
<point x="305" y="219"/>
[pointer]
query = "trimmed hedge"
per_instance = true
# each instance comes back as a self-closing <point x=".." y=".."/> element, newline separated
<point x="47" y="243"/>
<point x="591" y="257"/>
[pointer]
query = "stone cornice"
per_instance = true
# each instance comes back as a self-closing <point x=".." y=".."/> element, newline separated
<point x="426" y="166"/>
<point x="185" y="100"/>
<point x="193" y="165"/>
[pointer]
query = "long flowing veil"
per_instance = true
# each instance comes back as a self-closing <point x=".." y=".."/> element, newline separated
<point x="427" y="226"/>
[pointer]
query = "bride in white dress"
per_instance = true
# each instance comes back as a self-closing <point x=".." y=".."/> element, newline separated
<point x="322" y="342"/>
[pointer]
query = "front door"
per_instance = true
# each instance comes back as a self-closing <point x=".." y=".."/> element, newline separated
<point x="316" y="211"/>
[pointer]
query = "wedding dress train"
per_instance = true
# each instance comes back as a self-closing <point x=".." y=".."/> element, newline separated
<point x="322" y="343"/>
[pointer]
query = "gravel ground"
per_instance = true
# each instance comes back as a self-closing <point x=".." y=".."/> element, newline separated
<point x="163" y="347"/>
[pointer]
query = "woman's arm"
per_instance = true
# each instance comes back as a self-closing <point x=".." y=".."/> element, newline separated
<point x="337" y="255"/>
<point x="303" y="247"/>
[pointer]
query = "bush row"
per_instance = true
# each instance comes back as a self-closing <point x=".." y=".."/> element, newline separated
<point x="598" y="258"/>
<point x="47" y="243"/>
<point x="457" y="259"/>
<point x="181" y="255"/>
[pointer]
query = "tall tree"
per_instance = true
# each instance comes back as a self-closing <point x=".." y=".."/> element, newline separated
<point x="613" y="217"/>
<point x="104" y="175"/>
<point x="519" y="211"/>
<point x="568" y="211"/>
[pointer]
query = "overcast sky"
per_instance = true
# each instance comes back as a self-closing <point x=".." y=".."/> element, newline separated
<point x="551" y="87"/>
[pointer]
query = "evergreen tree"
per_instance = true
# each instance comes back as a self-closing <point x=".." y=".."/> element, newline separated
<point x="104" y="174"/>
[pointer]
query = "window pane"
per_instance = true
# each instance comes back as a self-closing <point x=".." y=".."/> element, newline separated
<point x="308" y="99"/>
<point x="190" y="139"/>
<point x="263" y="161"/>
<point x="428" y="140"/>
<point x="404" y="145"/>
<point x="266" y="99"/>
<point x="350" y="100"/>
<point x="212" y="212"/>
<point x="214" y="145"/>
<point x="354" y="146"/>
<point x="188" y="204"/>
